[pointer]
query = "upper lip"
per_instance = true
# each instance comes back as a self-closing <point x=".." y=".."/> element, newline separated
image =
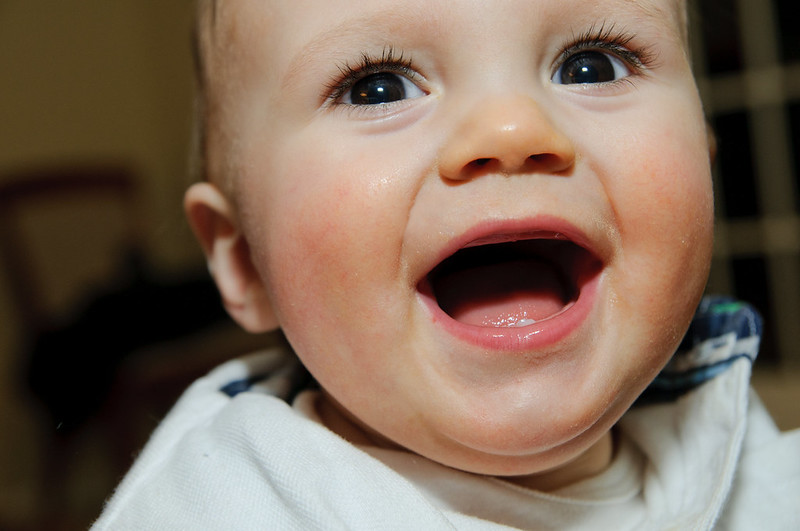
<point x="539" y="228"/>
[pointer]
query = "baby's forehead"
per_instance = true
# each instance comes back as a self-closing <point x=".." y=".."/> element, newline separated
<point x="222" y="18"/>
<point x="241" y="40"/>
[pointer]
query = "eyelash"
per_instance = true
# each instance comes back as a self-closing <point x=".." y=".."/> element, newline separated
<point x="605" y="39"/>
<point x="609" y="40"/>
<point x="350" y="74"/>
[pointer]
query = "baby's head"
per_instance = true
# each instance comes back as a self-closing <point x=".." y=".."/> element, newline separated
<point x="483" y="226"/>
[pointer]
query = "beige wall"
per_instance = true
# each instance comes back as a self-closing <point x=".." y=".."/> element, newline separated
<point x="86" y="80"/>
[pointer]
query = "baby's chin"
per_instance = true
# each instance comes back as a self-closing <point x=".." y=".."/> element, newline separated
<point x="489" y="452"/>
<point x="525" y="457"/>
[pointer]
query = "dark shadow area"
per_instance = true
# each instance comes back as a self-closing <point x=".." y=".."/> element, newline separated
<point x="104" y="372"/>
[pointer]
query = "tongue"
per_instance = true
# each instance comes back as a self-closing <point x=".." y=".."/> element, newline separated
<point x="512" y="293"/>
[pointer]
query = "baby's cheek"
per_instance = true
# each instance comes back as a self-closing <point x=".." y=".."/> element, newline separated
<point x="327" y="252"/>
<point x="665" y="218"/>
<point x="666" y="199"/>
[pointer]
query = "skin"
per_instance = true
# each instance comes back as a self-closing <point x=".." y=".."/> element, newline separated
<point x="322" y="217"/>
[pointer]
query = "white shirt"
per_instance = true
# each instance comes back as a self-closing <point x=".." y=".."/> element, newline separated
<point x="234" y="455"/>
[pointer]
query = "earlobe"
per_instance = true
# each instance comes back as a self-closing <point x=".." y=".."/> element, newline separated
<point x="213" y="221"/>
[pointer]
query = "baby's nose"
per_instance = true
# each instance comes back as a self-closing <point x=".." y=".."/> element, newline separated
<point x="508" y="136"/>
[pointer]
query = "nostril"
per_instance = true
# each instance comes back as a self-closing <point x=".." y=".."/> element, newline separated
<point x="479" y="165"/>
<point x="549" y="162"/>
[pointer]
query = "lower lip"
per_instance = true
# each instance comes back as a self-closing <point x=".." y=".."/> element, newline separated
<point x="536" y="336"/>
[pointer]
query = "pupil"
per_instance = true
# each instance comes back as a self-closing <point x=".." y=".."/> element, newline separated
<point x="377" y="88"/>
<point x="587" y="67"/>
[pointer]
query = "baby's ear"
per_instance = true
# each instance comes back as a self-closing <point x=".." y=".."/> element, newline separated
<point x="212" y="218"/>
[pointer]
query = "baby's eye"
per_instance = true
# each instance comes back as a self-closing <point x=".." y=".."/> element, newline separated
<point x="590" y="66"/>
<point x="381" y="87"/>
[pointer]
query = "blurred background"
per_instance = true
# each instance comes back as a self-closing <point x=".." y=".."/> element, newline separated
<point x="106" y="307"/>
<point x="106" y="310"/>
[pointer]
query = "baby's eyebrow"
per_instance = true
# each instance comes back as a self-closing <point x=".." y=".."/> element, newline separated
<point x="378" y="28"/>
<point x="653" y="12"/>
<point x="373" y="29"/>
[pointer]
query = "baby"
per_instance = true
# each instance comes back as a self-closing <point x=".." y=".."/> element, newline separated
<point x="484" y="228"/>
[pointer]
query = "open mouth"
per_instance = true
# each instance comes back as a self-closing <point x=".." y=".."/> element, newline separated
<point x="511" y="283"/>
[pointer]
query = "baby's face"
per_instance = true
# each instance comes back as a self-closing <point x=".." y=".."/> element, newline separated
<point x="483" y="226"/>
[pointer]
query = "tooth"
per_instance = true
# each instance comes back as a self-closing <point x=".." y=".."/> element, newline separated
<point x="524" y="322"/>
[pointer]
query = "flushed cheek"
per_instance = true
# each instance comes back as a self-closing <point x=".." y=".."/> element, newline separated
<point x="337" y="247"/>
<point x="666" y="224"/>
<point x="335" y="301"/>
<point x="322" y="261"/>
<point x="661" y="189"/>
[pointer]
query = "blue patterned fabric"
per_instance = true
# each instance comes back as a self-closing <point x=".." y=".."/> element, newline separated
<point x="240" y="386"/>
<point x="723" y="331"/>
<point x="284" y="379"/>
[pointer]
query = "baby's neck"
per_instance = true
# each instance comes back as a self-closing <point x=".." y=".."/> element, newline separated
<point x="590" y="463"/>
<point x="345" y="427"/>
